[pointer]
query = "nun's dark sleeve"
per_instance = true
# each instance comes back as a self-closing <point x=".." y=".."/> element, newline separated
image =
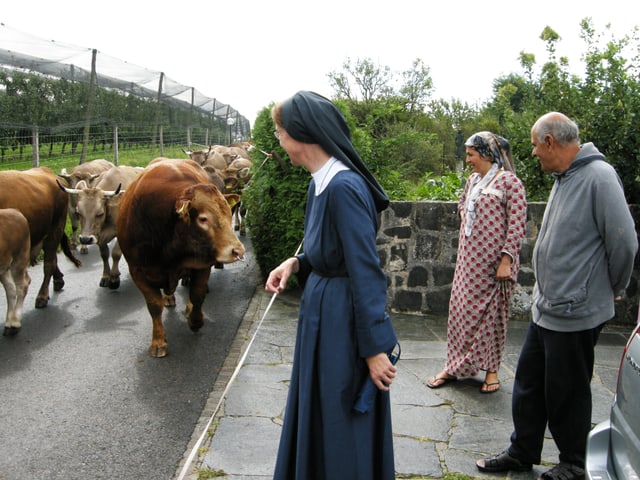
<point x="304" y="269"/>
<point x="355" y="216"/>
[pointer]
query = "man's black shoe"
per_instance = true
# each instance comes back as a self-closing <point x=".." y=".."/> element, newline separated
<point x="563" y="471"/>
<point x="502" y="462"/>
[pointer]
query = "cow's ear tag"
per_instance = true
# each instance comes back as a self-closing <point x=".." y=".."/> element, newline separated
<point x="232" y="199"/>
<point x="182" y="209"/>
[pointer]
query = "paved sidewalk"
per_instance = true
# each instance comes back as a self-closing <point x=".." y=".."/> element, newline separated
<point x="436" y="431"/>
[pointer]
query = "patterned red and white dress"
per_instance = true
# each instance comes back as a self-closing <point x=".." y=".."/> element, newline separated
<point x="479" y="305"/>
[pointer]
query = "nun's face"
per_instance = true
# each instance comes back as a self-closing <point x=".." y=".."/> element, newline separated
<point x="290" y="145"/>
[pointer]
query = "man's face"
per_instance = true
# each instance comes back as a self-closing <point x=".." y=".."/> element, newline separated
<point x="543" y="152"/>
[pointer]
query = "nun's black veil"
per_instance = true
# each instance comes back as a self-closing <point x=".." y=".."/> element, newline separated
<point x="311" y="118"/>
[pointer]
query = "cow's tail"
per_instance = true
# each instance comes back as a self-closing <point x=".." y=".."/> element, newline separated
<point x="66" y="249"/>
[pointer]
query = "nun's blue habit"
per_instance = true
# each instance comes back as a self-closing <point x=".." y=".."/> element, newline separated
<point x="342" y="318"/>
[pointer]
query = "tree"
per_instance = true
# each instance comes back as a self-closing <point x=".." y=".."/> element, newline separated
<point x="417" y="86"/>
<point x="603" y="104"/>
<point x="610" y="103"/>
<point x="275" y="199"/>
<point x="372" y="81"/>
<point x="401" y="144"/>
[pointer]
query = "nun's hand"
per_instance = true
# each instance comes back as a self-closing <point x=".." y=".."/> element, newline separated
<point x="278" y="277"/>
<point x="381" y="371"/>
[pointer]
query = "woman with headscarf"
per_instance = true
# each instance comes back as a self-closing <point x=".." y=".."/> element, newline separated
<point x="493" y="211"/>
<point x="344" y="333"/>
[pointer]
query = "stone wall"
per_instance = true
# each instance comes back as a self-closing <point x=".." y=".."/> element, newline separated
<point x="417" y="243"/>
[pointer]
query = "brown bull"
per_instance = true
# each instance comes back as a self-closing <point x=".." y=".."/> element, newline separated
<point x="35" y="193"/>
<point x="173" y="222"/>
<point x="97" y="212"/>
<point x="15" y="248"/>
<point x="88" y="172"/>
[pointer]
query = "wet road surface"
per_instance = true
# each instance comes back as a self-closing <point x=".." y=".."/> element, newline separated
<point x="80" y="396"/>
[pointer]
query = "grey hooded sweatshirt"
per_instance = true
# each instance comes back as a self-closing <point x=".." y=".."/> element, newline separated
<point x="586" y="246"/>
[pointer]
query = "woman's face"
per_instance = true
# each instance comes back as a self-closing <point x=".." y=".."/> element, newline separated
<point x="477" y="162"/>
<point x="290" y="145"/>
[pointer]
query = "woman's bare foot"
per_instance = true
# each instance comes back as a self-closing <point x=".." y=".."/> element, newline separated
<point x="440" y="379"/>
<point x="491" y="383"/>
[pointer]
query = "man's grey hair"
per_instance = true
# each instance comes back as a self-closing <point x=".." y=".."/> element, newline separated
<point x="559" y="126"/>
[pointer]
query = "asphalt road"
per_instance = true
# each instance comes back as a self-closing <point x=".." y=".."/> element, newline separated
<point x="80" y="398"/>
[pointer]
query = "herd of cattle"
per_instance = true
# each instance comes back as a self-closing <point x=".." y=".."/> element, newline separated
<point x="172" y="221"/>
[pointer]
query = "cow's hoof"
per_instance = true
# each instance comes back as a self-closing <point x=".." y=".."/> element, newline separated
<point x="169" y="301"/>
<point x="104" y="282"/>
<point x="42" y="302"/>
<point x="218" y="265"/>
<point x="10" y="331"/>
<point x="114" y="284"/>
<point x="195" y="325"/>
<point x="84" y="250"/>
<point x="58" y="285"/>
<point x="158" y="351"/>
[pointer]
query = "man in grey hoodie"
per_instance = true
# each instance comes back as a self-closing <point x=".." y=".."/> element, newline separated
<point x="583" y="260"/>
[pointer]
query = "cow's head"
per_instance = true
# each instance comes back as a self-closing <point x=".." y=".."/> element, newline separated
<point x="93" y="208"/>
<point x="205" y="214"/>
<point x="199" y="156"/>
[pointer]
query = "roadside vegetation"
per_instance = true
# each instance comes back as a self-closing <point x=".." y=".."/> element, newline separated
<point x="414" y="143"/>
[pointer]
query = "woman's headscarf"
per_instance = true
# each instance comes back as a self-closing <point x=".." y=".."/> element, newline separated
<point x="311" y="118"/>
<point x="492" y="146"/>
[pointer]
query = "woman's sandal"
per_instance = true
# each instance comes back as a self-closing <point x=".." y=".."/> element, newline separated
<point x="486" y="387"/>
<point x="437" y="382"/>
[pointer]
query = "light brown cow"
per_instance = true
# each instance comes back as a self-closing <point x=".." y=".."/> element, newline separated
<point x="198" y="156"/>
<point x="229" y="153"/>
<point x="240" y="164"/>
<point x="173" y="222"/>
<point x="88" y="172"/>
<point x="236" y="177"/>
<point x="97" y="212"/>
<point x="15" y="248"/>
<point x="208" y="157"/>
<point x="35" y="193"/>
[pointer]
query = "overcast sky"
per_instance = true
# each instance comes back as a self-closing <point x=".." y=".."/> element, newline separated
<point x="249" y="53"/>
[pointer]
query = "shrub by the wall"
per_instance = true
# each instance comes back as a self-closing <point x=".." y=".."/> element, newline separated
<point x="275" y="199"/>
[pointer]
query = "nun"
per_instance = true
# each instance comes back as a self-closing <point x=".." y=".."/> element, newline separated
<point x="344" y="335"/>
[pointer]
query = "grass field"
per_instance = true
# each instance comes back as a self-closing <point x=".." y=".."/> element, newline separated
<point x="136" y="157"/>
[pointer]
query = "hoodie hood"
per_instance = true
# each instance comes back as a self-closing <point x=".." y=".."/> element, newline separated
<point x="587" y="154"/>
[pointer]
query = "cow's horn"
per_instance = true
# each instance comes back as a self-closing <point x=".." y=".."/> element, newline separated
<point x="66" y="189"/>
<point x="111" y="193"/>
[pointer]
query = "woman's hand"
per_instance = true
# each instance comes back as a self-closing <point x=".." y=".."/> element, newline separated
<point x="278" y="277"/>
<point x="381" y="371"/>
<point x="504" y="268"/>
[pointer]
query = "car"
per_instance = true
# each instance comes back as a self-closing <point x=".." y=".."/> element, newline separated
<point x="613" y="446"/>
